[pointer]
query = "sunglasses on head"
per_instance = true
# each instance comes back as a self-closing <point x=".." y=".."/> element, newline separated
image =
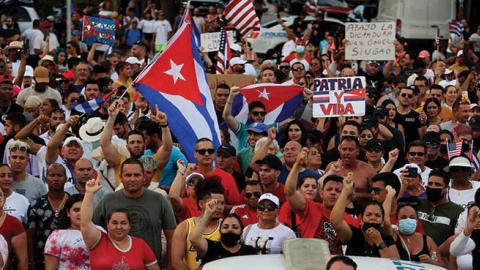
<point x="19" y="148"/>
<point x="412" y="203"/>
<point x="256" y="194"/>
<point x="266" y="207"/>
<point x="204" y="151"/>
<point x="406" y="95"/>
<point x="259" y="113"/>
<point x="418" y="154"/>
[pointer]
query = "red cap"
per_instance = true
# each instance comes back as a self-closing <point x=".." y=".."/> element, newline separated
<point x="69" y="75"/>
<point x="6" y="79"/>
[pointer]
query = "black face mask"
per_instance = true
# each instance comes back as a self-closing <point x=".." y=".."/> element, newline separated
<point x="443" y="149"/>
<point x="229" y="239"/>
<point x="434" y="194"/>
<point x="368" y="225"/>
<point x="465" y="147"/>
<point x="476" y="143"/>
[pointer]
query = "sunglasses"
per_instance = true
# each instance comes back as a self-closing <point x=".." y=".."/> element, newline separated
<point x="294" y="129"/>
<point x="376" y="190"/>
<point x="266" y="207"/>
<point x="406" y="95"/>
<point x="259" y="113"/>
<point x="297" y="69"/>
<point x="376" y="150"/>
<point x="418" y="154"/>
<point x="19" y="148"/>
<point x="256" y="194"/>
<point x="460" y="169"/>
<point x="210" y="151"/>
<point x="74" y="99"/>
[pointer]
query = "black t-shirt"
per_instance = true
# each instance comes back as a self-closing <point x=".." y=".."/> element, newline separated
<point x="410" y="123"/>
<point x="438" y="163"/>
<point x="13" y="107"/>
<point x="216" y="251"/>
<point x="375" y="80"/>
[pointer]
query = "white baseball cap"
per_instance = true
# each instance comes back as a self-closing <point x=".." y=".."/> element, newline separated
<point x="235" y="47"/>
<point x="269" y="197"/>
<point x="133" y="60"/>
<point x="237" y="61"/>
<point x="28" y="71"/>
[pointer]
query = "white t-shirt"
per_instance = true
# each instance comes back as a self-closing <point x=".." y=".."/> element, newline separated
<point x="3" y="250"/>
<point x="463" y="197"/>
<point x="69" y="248"/>
<point x="424" y="175"/>
<point x="429" y="75"/>
<point x="268" y="241"/>
<point x="53" y="43"/>
<point x="162" y="28"/>
<point x="17" y="205"/>
<point x="147" y="26"/>
<point x="31" y="35"/>
<point x="42" y="163"/>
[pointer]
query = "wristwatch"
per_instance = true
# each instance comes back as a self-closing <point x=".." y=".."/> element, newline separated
<point x="381" y="246"/>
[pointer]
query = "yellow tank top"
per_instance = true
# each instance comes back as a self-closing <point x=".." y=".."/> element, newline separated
<point x="191" y="259"/>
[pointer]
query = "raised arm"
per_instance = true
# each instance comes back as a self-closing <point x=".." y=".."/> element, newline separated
<point x="392" y="158"/>
<point x="163" y="153"/>
<point x="232" y="123"/>
<point x="91" y="234"/>
<point x="295" y="198"/>
<point x="57" y="139"/>
<point x="177" y="188"/>
<point x="199" y="243"/>
<point x="263" y="150"/>
<point x="344" y="232"/>
<point x="110" y="153"/>
<point x="27" y="130"/>
<point x="385" y="132"/>
<point x="91" y="54"/>
<point x="21" y="69"/>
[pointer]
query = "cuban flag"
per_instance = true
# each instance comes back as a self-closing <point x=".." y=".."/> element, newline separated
<point x="280" y="101"/>
<point x="177" y="84"/>
<point x="92" y="105"/>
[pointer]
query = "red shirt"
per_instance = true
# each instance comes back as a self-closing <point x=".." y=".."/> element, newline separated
<point x="105" y="255"/>
<point x="246" y="214"/>
<point x="10" y="228"/>
<point x="314" y="222"/>
<point x="190" y="209"/>
<point x="232" y="197"/>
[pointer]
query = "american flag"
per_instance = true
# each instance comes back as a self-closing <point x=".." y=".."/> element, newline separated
<point x="455" y="27"/>
<point x="454" y="149"/>
<point x="241" y="14"/>
<point x="224" y="53"/>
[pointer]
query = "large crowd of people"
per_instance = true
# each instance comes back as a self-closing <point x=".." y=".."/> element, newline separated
<point x="112" y="188"/>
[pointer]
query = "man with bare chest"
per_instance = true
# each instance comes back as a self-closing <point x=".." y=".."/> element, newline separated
<point x="363" y="172"/>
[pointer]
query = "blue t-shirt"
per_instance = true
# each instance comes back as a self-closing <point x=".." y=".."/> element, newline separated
<point x="170" y="170"/>
<point x="133" y="36"/>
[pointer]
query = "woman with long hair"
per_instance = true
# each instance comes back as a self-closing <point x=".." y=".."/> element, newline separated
<point x="432" y="109"/>
<point x="65" y="248"/>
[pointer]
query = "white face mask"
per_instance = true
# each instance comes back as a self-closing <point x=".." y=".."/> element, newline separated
<point x="300" y="49"/>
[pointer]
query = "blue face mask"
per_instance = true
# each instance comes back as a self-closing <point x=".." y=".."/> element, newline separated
<point x="300" y="49"/>
<point x="388" y="90"/>
<point x="407" y="225"/>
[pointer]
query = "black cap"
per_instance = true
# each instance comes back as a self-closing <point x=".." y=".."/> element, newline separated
<point x="475" y="122"/>
<point x="369" y="121"/>
<point x="272" y="161"/>
<point x="414" y="89"/>
<point x="375" y="144"/>
<point x="226" y="150"/>
<point x="380" y="111"/>
<point x="432" y="137"/>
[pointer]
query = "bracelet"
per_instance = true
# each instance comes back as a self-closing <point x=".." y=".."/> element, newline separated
<point x="164" y="126"/>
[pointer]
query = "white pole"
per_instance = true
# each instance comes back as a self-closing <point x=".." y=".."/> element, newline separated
<point x="69" y="19"/>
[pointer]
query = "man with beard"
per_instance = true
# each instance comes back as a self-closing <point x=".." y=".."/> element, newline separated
<point x="7" y="104"/>
<point x="184" y="255"/>
<point x="313" y="218"/>
<point x="40" y="89"/>
<point x="461" y="114"/>
<point x="44" y="212"/>
<point x="349" y="150"/>
<point x="437" y="213"/>
<point x="152" y="211"/>
<point x="135" y="141"/>
<point x="56" y="118"/>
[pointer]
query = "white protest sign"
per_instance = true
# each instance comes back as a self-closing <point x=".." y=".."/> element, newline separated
<point x="341" y="96"/>
<point x="211" y="41"/>
<point x="370" y="41"/>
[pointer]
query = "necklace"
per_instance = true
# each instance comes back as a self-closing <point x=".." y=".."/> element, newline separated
<point x="59" y="208"/>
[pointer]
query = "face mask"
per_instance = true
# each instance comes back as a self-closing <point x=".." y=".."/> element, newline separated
<point x="443" y="149"/>
<point x="229" y="239"/>
<point x="388" y="90"/>
<point x="407" y="225"/>
<point x="300" y="49"/>
<point x="434" y="194"/>
<point x="465" y="147"/>
<point x="368" y="225"/>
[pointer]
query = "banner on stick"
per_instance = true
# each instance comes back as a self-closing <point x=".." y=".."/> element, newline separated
<point x="98" y="30"/>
